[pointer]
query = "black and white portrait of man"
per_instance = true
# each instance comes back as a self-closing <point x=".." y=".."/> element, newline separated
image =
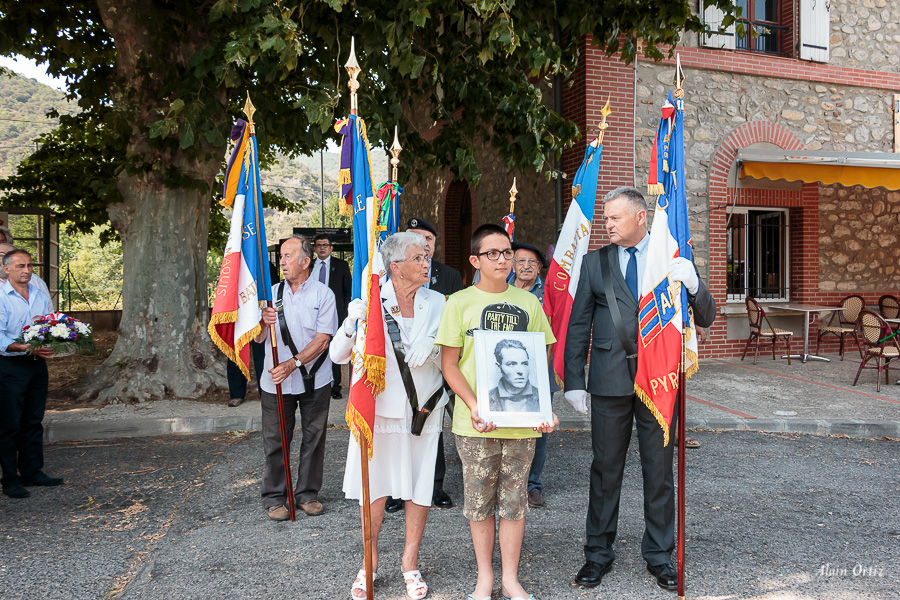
<point x="515" y="391"/>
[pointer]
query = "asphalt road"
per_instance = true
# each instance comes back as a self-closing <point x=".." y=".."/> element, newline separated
<point x="770" y="516"/>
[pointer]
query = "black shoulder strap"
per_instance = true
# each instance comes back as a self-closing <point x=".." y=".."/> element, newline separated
<point x="286" y="335"/>
<point x="624" y="338"/>
<point x="405" y="375"/>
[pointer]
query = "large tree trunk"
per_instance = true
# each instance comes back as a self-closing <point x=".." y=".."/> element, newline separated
<point x="163" y="347"/>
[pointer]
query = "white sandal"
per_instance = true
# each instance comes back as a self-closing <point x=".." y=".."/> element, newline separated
<point x="360" y="584"/>
<point x="414" y="581"/>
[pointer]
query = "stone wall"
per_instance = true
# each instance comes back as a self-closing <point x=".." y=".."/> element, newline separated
<point x="859" y="230"/>
<point x="865" y="34"/>
<point x="839" y="118"/>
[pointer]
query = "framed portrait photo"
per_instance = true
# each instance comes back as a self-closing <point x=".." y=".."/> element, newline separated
<point x="511" y="378"/>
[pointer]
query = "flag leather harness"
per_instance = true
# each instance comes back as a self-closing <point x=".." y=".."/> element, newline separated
<point x="309" y="376"/>
<point x="419" y="414"/>
<point x="624" y="338"/>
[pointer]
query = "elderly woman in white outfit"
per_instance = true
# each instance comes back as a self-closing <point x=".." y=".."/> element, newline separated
<point x="402" y="464"/>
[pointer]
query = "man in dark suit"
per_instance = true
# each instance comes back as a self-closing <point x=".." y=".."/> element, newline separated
<point x="445" y="280"/>
<point x="610" y="389"/>
<point x="335" y="273"/>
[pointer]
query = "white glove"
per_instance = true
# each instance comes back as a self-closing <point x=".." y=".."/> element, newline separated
<point x="578" y="399"/>
<point x="419" y="353"/>
<point x="356" y="312"/>
<point x="681" y="269"/>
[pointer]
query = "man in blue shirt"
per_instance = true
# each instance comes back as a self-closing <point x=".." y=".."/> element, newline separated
<point x="23" y="381"/>
<point x="527" y="275"/>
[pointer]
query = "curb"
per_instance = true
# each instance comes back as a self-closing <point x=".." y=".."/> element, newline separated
<point x="60" y="431"/>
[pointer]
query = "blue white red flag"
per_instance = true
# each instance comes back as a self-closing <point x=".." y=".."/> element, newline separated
<point x="664" y="313"/>
<point x="572" y="245"/>
<point x="367" y="377"/>
<point x="244" y="284"/>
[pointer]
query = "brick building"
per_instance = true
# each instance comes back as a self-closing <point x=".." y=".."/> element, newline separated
<point x="792" y="180"/>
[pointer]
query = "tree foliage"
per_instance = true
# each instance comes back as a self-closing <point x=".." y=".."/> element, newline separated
<point x="179" y="86"/>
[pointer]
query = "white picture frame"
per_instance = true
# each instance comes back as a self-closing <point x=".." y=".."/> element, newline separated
<point x="503" y="398"/>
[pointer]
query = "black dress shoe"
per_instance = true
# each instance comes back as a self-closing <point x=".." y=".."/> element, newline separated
<point x="591" y="574"/>
<point x="16" y="490"/>
<point x="441" y="499"/>
<point x="392" y="505"/>
<point x="42" y="479"/>
<point x="666" y="576"/>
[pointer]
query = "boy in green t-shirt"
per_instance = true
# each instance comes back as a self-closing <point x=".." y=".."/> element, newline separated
<point x="495" y="461"/>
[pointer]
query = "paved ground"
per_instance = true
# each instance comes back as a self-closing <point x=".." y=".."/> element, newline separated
<point x="770" y="517"/>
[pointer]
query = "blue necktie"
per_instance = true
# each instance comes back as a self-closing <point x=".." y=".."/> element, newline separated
<point x="322" y="271"/>
<point x="631" y="272"/>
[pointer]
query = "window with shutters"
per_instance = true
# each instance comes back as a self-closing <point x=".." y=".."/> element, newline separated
<point x="771" y="27"/>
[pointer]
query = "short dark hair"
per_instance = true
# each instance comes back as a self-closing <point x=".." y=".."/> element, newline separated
<point x="482" y="232"/>
<point x="508" y="344"/>
<point x="8" y="256"/>
<point x="322" y="236"/>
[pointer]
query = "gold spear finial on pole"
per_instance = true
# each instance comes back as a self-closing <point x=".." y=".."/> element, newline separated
<point x="679" y="77"/>
<point x="249" y="109"/>
<point x="353" y="70"/>
<point x="512" y="197"/>
<point x="604" y="112"/>
<point x="395" y="154"/>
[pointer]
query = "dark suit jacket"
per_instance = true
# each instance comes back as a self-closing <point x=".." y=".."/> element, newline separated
<point x="339" y="281"/>
<point x="445" y="280"/>
<point x="609" y="374"/>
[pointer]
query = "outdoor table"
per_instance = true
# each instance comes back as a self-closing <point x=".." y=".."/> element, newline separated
<point x="809" y="310"/>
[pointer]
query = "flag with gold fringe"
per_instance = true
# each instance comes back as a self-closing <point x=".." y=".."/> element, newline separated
<point x="664" y="315"/>
<point x="244" y="284"/>
<point x="367" y="377"/>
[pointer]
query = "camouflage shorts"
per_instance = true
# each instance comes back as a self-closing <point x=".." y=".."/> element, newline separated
<point x="495" y="474"/>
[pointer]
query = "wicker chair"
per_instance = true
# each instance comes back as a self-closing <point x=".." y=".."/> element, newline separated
<point x="875" y="333"/>
<point x="889" y="306"/>
<point x="846" y="322"/>
<point x="761" y="330"/>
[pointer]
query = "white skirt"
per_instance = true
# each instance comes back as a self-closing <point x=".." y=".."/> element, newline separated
<point x="402" y="464"/>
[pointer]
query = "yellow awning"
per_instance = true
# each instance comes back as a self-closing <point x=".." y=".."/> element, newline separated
<point x="848" y="169"/>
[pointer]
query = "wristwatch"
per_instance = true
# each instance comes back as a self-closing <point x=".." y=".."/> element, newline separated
<point x="297" y="362"/>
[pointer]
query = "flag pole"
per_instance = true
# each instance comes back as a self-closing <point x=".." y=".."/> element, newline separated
<point x="352" y="67"/>
<point x="249" y="109"/>
<point x="681" y="395"/>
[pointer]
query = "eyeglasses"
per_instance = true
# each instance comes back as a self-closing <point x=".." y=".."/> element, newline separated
<point x="321" y="245"/>
<point x="418" y="258"/>
<point x="528" y="261"/>
<point x="508" y="254"/>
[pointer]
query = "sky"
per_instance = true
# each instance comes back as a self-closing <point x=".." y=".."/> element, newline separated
<point x="29" y="68"/>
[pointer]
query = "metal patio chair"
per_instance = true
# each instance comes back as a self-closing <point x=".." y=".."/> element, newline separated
<point x="880" y="345"/>
<point x="845" y="326"/>
<point x="761" y="330"/>
<point x="889" y="307"/>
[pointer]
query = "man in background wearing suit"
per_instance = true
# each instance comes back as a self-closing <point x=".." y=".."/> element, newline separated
<point x="335" y="273"/>
<point x="445" y="280"/>
<point x="610" y="389"/>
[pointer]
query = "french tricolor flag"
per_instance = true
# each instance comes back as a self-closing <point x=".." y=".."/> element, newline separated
<point x="245" y="285"/>
<point x="572" y="245"/>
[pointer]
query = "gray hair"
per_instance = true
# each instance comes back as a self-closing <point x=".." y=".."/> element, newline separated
<point x="7" y="234"/>
<point x="633" y="198"/>
<point x="8" y="256"/>
<point x="394" y="248"/>
<point x="305" y="248"/>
